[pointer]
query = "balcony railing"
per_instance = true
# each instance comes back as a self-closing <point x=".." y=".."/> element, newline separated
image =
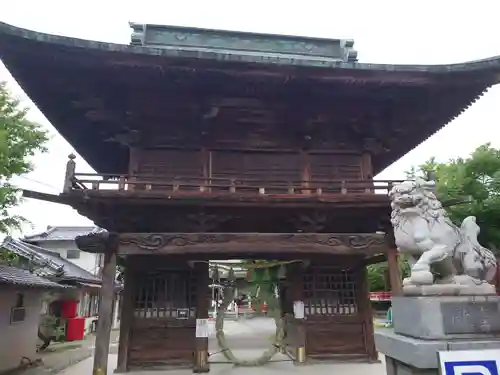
<point x="220" y="185"/>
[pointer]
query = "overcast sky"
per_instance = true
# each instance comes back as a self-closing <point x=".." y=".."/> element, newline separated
<point x="392" y="32"/>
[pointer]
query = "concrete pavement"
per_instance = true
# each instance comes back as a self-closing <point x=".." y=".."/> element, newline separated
<point x="275" y="368"/>
<point x="248" y="339"/>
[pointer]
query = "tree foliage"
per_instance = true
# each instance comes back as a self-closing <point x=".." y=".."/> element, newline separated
<point x="378" y="275"/>
<point x="20" y="140"/>
<point x="472" y="187"/>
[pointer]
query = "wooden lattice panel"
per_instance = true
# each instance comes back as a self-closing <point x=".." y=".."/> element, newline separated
<point x="334" y="326"/>
<point x="335" y="167"/>
<point x="161" y="335"/>
<point x="160" y="295"/>
<point x="264" y="166"/>
<point x="330" y="291"/>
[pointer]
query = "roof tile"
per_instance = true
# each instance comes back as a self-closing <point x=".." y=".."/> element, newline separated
<point x="18" y="276"/>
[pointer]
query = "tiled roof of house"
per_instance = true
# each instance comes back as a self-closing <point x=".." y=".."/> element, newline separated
<point x="49" y="262"/>
<point x="60" y="233"/>
<point x="21" y="277"/>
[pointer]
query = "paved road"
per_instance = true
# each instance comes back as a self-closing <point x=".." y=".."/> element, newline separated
<point x="248" y="338"/>
<point x="276" y="368"/>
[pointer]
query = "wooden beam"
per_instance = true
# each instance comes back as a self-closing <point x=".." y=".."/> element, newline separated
<point x="379" y="258"/>
<point x="127" y="315"/>
<point x="310" y="243"/>
<point x="53" y="198"/>
<point x="105" y="313"/>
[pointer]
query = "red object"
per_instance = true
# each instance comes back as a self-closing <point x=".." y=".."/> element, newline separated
<point x="263" y="308"/>
<point x="380" y="296"/>
<point x="75" y="329"/>
<point x="68" y="309"/>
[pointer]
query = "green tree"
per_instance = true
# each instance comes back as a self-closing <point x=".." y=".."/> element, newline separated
<point x="378" y="275"/>
<point x="20" y="140"/>
<point x="472" y="186"/>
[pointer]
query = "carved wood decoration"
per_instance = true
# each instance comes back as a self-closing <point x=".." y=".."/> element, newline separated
<point x="204" y="222"/>
<point x="99" y="242"/>
<point x="313" y="222"/>
<point x="184" y="243"/>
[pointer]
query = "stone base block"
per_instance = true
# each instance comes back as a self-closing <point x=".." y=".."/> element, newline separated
<point x="395" y="367"/>
<point x="447" y="317"/>
<point x="411" y="356"/>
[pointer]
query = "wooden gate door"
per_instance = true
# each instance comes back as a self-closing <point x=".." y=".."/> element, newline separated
<point x="163" y="328"/>
<point x="335" y="323"/>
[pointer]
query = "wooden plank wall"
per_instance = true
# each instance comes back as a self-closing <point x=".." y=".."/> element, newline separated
<point x="264" y="166"/>
<point x="336" y="312"/>
<point x="159" y="338"/>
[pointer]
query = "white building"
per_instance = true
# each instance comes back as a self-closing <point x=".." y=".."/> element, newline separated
<point x="61" y="240"/>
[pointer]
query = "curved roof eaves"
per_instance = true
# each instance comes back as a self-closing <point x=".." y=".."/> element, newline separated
<point x="488" y="64"/>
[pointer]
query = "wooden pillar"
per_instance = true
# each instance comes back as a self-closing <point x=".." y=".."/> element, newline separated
<point x="497" y="278"/>
<point x="366" y="166"/>
<point x="295" y="275"/>
<point x="105" y="310"/>
<point x="204" y="156"/>
<point x="201" y="364"/>
<point x="133" y="167"/>
<point x="393" y="263"/>
<point x="364" y="305"/>
<point x="70" y="173"/>
<point x="127" y="315"/>
<point x="394" y="271"/>
<point x="306" y="171"/>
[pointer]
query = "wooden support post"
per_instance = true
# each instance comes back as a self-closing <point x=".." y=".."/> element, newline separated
<point x="70" y="173"/>
<point x="363" y="301"/>
<point x="393" y="263"/>
<point x="205" y="166"/>
<point x="133" y="167"/>
<point x="105" y="310"/>
<point x="306" y="171"/>
<point x="394" y="271"/>
<point x="127" y="315"/>
<point x="201" y="364"/>
<point x="296" y="282"/>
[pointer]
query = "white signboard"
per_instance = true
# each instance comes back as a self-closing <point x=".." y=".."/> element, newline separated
<point x="298" y="309"/>
<point x="470" y="362"/>
<point x="201" y="328"/>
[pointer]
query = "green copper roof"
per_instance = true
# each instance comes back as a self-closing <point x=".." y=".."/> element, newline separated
<point x="226" y="41"/>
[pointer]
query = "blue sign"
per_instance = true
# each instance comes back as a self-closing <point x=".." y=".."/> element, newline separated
<point x="470" y="362"/>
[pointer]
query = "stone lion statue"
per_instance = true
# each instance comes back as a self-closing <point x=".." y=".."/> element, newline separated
<point x="444" y="258"/>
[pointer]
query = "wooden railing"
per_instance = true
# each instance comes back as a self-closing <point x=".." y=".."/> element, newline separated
<point x="218" y="185"/>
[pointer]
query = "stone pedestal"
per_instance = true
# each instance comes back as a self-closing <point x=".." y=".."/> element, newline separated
<point x="423" y="326"/>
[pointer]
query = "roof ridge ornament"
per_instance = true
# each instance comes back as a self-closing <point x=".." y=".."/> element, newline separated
<point x="211" y="40"/>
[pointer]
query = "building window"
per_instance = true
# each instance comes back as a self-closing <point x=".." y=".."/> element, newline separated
<point x="73" y="254"/>
<point x="18" y="312"/>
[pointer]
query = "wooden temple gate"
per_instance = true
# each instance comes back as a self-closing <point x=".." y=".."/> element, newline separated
<point x="206" y="151"/>
<point x="166" y="290"/>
